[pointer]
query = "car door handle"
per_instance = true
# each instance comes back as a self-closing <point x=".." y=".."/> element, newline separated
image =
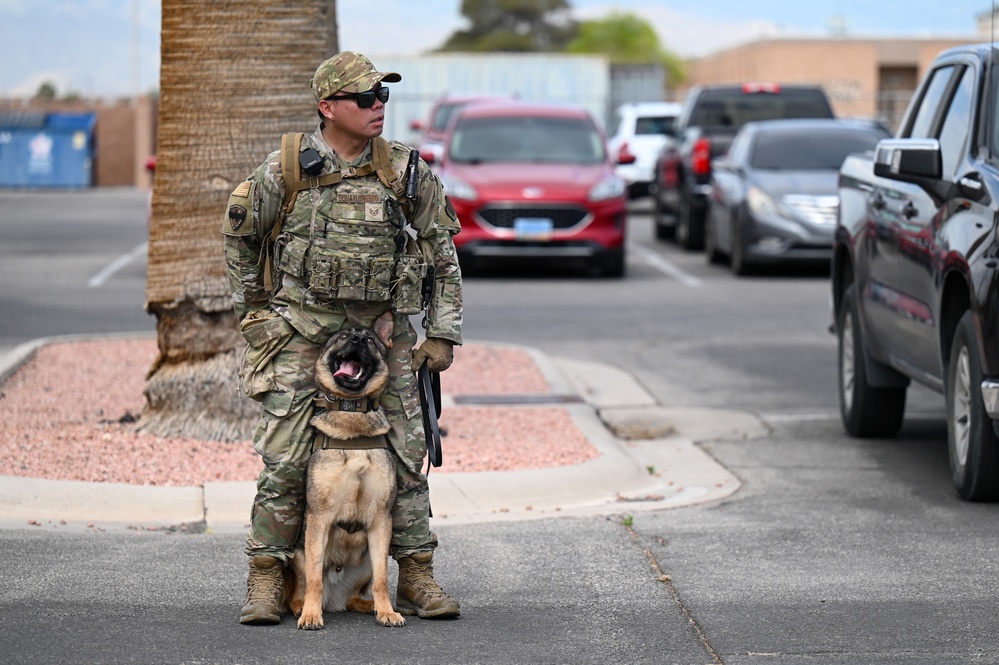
<point x="909" y="211"/>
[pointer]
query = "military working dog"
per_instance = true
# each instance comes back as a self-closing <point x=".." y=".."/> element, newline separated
<point x="350" y="486"/>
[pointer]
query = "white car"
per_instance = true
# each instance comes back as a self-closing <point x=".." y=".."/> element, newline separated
<point x="638" y="137"/>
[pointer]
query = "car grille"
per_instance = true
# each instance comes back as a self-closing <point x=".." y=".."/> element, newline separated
<point x="563" y="217"/>
<point x="819" y="210"/>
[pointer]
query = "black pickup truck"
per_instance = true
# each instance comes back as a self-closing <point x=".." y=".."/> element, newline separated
<point x="709" y="119"/>
<point x="914" y="277"/>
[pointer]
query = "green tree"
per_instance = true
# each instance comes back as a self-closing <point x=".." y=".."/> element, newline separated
<point x="46" y="91"/>
<point x="626" y="38"/>
<point x="513" y="25"/>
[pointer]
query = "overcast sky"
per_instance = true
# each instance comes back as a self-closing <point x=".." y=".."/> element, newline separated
<point x="110" y="48"/>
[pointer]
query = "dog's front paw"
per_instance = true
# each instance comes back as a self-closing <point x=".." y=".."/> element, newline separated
<point x="309" y="621"/>
<point x="390" y="619"/>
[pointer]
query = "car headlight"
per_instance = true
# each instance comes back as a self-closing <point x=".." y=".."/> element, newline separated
<point x="456" y="188"/>
<point x="607" y="188"/>
<point x="762" y="204"/>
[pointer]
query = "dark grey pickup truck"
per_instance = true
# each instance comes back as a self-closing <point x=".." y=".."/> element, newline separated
<point x="709" y="119"/>
<point x="914" y="274"/>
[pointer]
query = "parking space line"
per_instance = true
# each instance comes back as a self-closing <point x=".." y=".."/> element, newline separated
<point x="664" y="266"/>
<point x="116" y="265"/>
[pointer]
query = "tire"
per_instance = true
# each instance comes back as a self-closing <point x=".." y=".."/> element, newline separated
<point x="612" y="263"/>
<point x="866" y="411"/>
<point x="737" y="259"/>
<point x="663" y="230"/>
<point x="714" y="256"/>
<point x="689" y="226"/>
<point x="974" y="448"/>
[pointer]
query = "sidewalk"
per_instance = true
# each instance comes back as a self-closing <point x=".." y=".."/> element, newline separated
<point x="648" y="460"/>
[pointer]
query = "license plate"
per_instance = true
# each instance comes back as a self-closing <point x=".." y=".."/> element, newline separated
<point x="533" y="228"/>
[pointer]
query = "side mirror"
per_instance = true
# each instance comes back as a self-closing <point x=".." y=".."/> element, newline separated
<point x="723" y="164"/>
<point x="909" y="160"/>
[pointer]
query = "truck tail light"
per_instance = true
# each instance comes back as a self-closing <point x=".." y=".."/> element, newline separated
<point x="752" y="88"/>
<point x="625" y="155"/>
<point x="700" y="161"/>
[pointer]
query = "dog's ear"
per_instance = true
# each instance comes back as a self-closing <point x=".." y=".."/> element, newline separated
<point x="384" y="326"/>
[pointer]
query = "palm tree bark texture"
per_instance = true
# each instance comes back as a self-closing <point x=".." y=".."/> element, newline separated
<point x="234" y="77"/>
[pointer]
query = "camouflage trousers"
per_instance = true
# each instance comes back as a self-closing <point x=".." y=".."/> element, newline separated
<point x="279" y="371"/>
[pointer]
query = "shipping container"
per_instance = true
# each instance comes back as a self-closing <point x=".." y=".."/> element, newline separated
<point x="52" y="150"/>
<point x="581" y="80"/>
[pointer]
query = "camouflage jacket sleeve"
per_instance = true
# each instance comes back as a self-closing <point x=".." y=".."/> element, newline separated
<point x="247" y="222"/>
<point x="436" y="223"/>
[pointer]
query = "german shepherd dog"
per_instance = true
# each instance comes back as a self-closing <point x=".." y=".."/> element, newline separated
<point x="350" y="486"/>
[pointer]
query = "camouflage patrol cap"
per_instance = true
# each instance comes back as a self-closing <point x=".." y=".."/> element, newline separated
<point x="348" y="72"/>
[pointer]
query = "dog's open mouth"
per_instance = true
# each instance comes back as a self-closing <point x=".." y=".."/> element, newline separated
<point x="348" y="368"/>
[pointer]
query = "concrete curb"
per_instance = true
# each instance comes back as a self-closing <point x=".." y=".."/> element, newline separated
<point x="663" y="469"/>
<point x="12" y="361"/>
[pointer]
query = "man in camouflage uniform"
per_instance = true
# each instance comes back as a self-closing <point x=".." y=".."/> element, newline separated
<point x="351" y="247"/>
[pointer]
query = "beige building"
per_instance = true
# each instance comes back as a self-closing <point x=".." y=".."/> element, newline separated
<point x="864" y="77"/>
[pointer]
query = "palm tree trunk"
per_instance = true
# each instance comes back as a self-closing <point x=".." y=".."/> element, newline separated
<point x="234" y="76"/>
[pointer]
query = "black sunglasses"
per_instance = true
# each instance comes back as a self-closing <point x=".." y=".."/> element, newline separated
<point x="365" y="100"/>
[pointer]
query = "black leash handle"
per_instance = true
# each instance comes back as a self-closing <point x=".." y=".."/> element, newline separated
<point x="430" y="400"/>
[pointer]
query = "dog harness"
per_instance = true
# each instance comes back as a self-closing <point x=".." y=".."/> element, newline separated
<point x="331" y="402"/>
<point x="325" y="442"/>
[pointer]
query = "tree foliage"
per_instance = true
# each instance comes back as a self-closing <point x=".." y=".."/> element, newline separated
<point x="513" y="25"/>
<point x="46" y="91"/>
<point x="626" y="38"/>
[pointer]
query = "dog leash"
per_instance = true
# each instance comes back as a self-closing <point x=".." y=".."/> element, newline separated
<point x="430" y="403"/>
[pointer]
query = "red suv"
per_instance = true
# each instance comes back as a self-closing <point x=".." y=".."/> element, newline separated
<point x="533" y="181"/>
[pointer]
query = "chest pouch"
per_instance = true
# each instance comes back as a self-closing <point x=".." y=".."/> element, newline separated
<point x="407" y="283"/>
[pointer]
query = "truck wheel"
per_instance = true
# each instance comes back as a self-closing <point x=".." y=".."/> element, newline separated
<point x="689" y="226"/>
<point x="663" y="230"/>
<point x="974" y="449"/>
<point x="866" y="411"/>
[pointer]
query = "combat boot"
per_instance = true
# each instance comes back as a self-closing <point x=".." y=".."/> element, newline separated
<point x="419" y="594"/>
<point x="264" y="587"/>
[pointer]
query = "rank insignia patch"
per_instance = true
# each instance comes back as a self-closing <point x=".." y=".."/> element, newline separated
<point x="237" y="214"/>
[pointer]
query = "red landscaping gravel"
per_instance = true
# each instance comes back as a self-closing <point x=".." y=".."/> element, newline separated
<point x="62" y="417"/>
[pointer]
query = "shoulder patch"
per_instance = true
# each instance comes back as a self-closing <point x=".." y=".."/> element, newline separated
<point x="238" y="217"/>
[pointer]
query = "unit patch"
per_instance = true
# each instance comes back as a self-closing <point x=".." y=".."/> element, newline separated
<point x="346" y="197"/>
<point x="237" y="214"/>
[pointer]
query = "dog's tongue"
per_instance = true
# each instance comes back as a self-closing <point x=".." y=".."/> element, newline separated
<point x="349" y="368"/>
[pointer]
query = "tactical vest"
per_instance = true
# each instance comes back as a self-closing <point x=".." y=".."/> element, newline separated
<point x="341" y="235"/>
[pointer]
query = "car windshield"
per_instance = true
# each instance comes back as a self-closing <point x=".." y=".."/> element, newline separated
<point x="806" y="150"/>
<point x="653" y="125"/>
<point x="735" y="110"/>
<point x="526" y="139"/>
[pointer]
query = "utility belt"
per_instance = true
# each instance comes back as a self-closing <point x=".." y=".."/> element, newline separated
<point x="331" y="275"/>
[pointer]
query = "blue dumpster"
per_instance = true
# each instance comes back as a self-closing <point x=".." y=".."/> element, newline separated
<point x="46" y="149"/>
